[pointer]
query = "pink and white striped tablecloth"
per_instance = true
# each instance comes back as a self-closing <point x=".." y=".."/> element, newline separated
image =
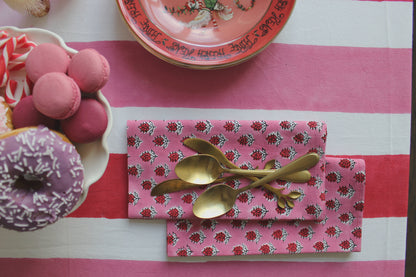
<point x="344" y="62"/>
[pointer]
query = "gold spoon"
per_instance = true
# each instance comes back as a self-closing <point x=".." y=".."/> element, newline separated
<point x="204" y="169"/>
<point x="205" y="147"/>
<point x="219" y="199"/>
<point x="174" y="185"/>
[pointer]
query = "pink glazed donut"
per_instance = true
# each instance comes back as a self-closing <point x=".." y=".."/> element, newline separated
<point x="42" y="178"/>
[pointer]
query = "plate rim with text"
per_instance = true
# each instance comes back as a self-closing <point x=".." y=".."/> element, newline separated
<point x="185" y="54"/>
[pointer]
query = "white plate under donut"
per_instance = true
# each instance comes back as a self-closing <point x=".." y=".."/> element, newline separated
<point x="94" y="155"/>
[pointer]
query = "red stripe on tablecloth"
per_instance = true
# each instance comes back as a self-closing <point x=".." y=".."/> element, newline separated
<point x="108" y="197"/>
<point x="387" y="183"/>
<point x="385" y="194"/>
<point x="111" y="268"/>
<point x="296" y="77"/>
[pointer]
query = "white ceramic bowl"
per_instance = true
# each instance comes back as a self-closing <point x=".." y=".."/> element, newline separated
<point x="94" y="155"/>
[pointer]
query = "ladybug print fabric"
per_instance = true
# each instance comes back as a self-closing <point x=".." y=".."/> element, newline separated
<point x="339" y="231"/>
<point x="155" y="147"/>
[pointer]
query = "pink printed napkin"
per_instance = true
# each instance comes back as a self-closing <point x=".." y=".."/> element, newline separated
<point x="155" y="147"/>
<point x="339" y="231"/>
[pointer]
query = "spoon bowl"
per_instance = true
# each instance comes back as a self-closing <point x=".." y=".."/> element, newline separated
<point x="204" y="169"/>
<point x="174" y="185"/>
<point x="198" y="169"/>
<point x="205" y="147"/>
<point x="219" y="199"/>
<point x="215" y="201"/>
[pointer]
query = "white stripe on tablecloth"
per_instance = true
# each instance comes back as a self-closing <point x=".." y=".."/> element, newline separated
<point x="313" y="22"/>
<point x="99" y="238"/>
<point x="348" y="133"/>
<point x="349" y="23"/>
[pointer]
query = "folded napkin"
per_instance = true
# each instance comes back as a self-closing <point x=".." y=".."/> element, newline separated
<point x="155" y="147"/>
<point x="339" y="231"/>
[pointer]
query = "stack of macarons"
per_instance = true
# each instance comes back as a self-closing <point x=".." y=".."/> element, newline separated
<point x="64" y="92"/>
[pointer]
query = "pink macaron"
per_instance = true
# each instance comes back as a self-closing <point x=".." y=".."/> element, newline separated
<point x="25" y="115"/>
<point x="56" y="95"/>
<point x="87" y="124"/>
<point x="46" y="58"/>
<point x="89" y="69"/>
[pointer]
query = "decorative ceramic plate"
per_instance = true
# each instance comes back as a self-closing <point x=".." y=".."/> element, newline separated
<point x="94" y="155"/>
<point x="205" y="34"/>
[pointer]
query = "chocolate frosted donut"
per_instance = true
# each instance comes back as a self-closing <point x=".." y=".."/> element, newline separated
<point x="41" y="179"/>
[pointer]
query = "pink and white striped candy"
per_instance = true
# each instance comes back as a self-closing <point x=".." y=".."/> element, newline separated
<point x="16" y="90"/>
<point x="14" y="51"/>
<point x="7" y="49"/>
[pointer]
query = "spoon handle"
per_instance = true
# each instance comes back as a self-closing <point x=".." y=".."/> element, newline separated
<point x="205" y="147"/>
<point x="305" y="162"/>
<point x="250" y="172"/>
<point x="174" y="185"/>
<point x="169" y="186"/>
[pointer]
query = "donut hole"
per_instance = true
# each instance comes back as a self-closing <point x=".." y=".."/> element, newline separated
<point x="28" y="182"/>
